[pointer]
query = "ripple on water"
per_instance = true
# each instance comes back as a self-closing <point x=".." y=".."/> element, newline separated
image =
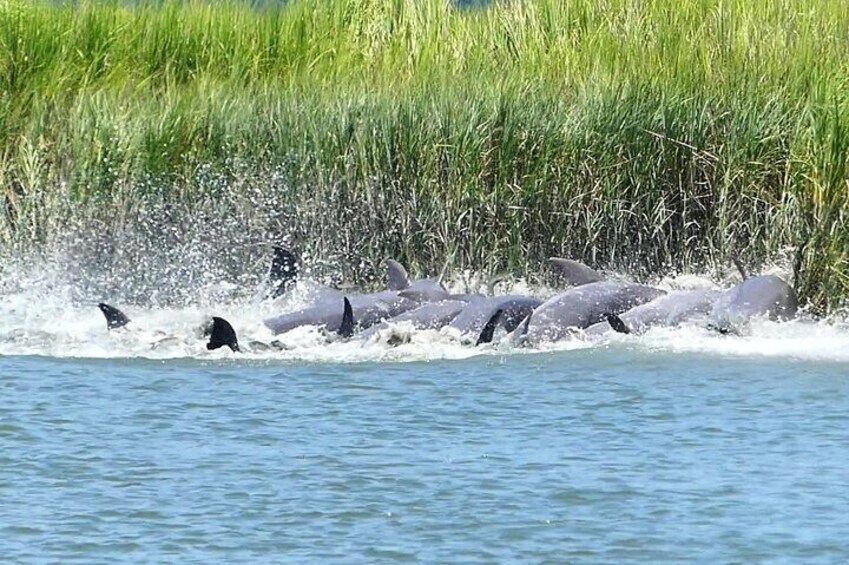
<point x="615" y="454"/>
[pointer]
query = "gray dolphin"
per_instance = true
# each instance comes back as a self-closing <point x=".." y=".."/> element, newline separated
<point x="221" y="333"/>
<point x="582" y="306"/>
<point x="425" y="290"/>
<point x="284" y="278"/>
<point x="429" y="316"/>
<point x="398" y="277"/>
<point x="368" y="309"/>
<point x="668" y="310"/>
<point x="478" y="314"/>
<point x="574" y="273"/>
<point x="472" y="320"/>
<point x="761" y="295"/>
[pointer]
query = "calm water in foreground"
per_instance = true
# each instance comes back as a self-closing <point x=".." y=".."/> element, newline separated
<point x="608" y="454"/>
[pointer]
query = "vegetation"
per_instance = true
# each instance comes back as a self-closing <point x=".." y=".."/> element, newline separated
<point x="650" y="135"/>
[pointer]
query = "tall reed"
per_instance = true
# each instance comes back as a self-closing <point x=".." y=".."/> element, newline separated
<point x="650" y="135"/>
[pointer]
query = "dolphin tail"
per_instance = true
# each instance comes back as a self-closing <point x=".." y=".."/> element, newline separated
<point x="398" y="277"/>
<point x="616" y="323"/>
<point x="489" y="328"/>
<point x="284" y="270"/>
<point x="222" y="334"/>
<point x="346" y="330"/>
<point x="114" y="318"/>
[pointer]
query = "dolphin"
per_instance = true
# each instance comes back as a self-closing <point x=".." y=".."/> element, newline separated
<point x="514" y="308"/>
<point x="474" y="320"/>
<point x="477" y="311"/>
<point x="760" y="295"/>
<point x="580" y="307"/>
<point x="397" y="275"/>
<point x="219" y="330"/>
<point x="429" y="316"/>
<point x="284" y="280"/>
<point x="221" y="333"/>
<point x="284" y="277"/>
<point x="114" y="318"/>
<point x="574" y="273"/>
<point x="667" y="310"/>
<point x="368" y="309"/>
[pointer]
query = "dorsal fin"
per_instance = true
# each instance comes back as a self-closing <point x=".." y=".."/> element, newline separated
<point x="398" y="277"/>
<point x="517" y="338"/>
<point x="617" y="323"/>
<point x="574" y="273"/>
<point x="740" y="268"/>
<point x="347" y="328"/>
<point x="283" y="272"/>
<point x="114" y="318"/>
<point x="494" y="280"/>
<point x="489" y="329"/>
<point x="222" y="334"/>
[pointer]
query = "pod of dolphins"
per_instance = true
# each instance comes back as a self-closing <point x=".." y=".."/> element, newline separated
<point x="590" y="305"/>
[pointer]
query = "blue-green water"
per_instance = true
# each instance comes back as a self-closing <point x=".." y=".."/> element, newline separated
<point x="611" y="454"/>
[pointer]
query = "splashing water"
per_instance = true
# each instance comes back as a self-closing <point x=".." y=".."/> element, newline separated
<point x="170" y="269"/>
<point x="44" y="316"/>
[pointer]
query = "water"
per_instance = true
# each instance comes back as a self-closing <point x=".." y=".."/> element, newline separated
<point x="613" y="453"/>
<point x="677" y="445"/>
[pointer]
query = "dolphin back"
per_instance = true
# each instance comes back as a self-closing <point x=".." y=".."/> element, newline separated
<point x="425" y="290"/>
<point x="671" y="309"/>
<point x="474" y="317"/>
<point x="430" y="316"/>
<point x="580" y="307"/>
<point x="761" y="295"/>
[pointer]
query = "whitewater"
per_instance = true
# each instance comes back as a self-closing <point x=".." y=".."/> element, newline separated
<point x="41" y="317"/>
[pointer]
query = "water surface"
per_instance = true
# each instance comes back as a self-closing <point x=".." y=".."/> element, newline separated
<point x="613" y="453"/>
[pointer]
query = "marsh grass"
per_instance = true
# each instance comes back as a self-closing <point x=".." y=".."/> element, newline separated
<point x="652" y="136"/>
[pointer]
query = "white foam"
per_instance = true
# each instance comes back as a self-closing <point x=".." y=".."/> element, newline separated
<point x="801" y="339"/>
<point x="40" y="317"/>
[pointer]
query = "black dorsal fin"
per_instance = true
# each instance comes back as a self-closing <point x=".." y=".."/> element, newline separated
<point x="617" y="323"/>
<point x="740" y="268"/>
<point x="114" y="318"/>
<point x="398" y="277"/>
<point x="347" y="328"/>
<point x="222" y="334"/>
<point x="283" y="272"/>
<point x="489" y="328"/>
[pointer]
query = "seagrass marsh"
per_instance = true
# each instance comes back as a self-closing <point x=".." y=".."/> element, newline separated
<point x="650" y="137"/>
